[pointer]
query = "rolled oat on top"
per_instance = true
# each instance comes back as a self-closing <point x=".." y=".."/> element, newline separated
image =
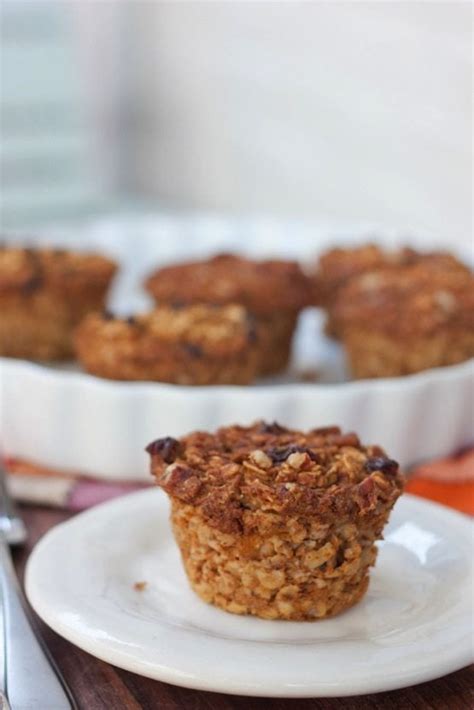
<point x="194" y="345"/>
<point x="277" y="523"/>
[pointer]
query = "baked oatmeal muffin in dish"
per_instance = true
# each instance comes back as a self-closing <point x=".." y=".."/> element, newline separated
<point x="397" y="322"/>
<point x="44" y="293"/>
<point x="273" y="291"/>
<point x="277" y="523"/>
<point x="338" y="266"/>
<point x="189" y="345"/>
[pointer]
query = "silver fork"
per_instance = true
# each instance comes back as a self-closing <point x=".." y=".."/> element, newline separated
<point x="29" y="680"/>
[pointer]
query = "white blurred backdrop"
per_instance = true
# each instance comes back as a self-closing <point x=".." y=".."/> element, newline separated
<point x="348" y="111"/>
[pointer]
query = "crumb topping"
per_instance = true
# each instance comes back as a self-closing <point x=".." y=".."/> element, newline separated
<point x="261" y="286"/>
<point x="339" y="264"/>
<point x="415" y="299"/>
<point x="198" y="330"/>
<point x="28" y="270"/>
<point x="140" y="586"/>
<point x="240" y="473"/>
<point x="336" y="267"/>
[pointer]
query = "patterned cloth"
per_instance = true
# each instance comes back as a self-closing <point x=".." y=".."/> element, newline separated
<point x="39" y="485"/>
<point x="449" y="481"/>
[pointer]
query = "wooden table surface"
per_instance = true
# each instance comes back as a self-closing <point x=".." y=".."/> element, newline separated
<point x="99" y="686"/>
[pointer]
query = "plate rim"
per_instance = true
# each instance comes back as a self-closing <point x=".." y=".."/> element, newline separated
<point x="80" y="378"/>
<point x="225" y="684"/>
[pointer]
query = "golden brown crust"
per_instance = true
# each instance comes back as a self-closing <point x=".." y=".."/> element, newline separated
<point x="277" y="523"/>
<point x="402" y="320"/>
<point x="300" y="572"/>
<point x="196" y="345"/>
<point x="420" y="299"/>
<point x="239" y="473"/>
<point x="371" y="354"/>
<point x="26" y="271"/>
<point x="275" y="341"/>
<point x="337" y="267"/>
<point x="273" y="291"/>
<point x="44" y="293"/>
<point x="263" y="287"/>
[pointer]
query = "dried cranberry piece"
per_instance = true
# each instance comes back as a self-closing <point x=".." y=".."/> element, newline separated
<point x="382" y="463"/>
<point x="193" y="350"/>
<point x="168" y="448"/>
<point x="33" y="284"/>
<point x="274" y="428"/>
<point x="252" y="332"/>
<point x="278" y="455"/>
<point x="252" y="336"/>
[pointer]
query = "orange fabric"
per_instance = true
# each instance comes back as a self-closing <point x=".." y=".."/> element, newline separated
<point x="456" y="495"/>
<point x="448" y="481"/>
<point x="458" y="468"/>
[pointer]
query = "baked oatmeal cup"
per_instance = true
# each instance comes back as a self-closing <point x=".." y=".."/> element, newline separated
<point x="273" y="291"/>
<point x="194" y="345"/>
<point x="403" y="321"/>
<point x="277" y="523"/>
<point x="44" y="293"/>
<point x="337" y="267"/>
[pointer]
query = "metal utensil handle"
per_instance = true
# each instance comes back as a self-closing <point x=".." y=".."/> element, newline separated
<point x="31" y="680"/>
<point x="6" y="505"/>
<point x="10" y="523"/>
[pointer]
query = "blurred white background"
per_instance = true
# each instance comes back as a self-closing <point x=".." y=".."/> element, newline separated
<point x="344" y="111"/>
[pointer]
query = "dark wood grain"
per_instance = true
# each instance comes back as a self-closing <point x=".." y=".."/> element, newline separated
<point x="99" y="686"/>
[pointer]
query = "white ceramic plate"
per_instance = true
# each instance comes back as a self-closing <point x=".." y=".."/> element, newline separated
<point x="68" y="420"/>
<point x="413" y="625"/>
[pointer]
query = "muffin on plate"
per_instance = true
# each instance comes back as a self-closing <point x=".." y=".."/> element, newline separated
<point x="401" y="321"/>
<point x="44" y="293"/>
<point x="277" y="523"/>
<point x="193" y="345"/>
<point x="273" y="291"/>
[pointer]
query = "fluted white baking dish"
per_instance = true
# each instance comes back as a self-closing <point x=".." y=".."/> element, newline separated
<point x="65" y="419"/>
